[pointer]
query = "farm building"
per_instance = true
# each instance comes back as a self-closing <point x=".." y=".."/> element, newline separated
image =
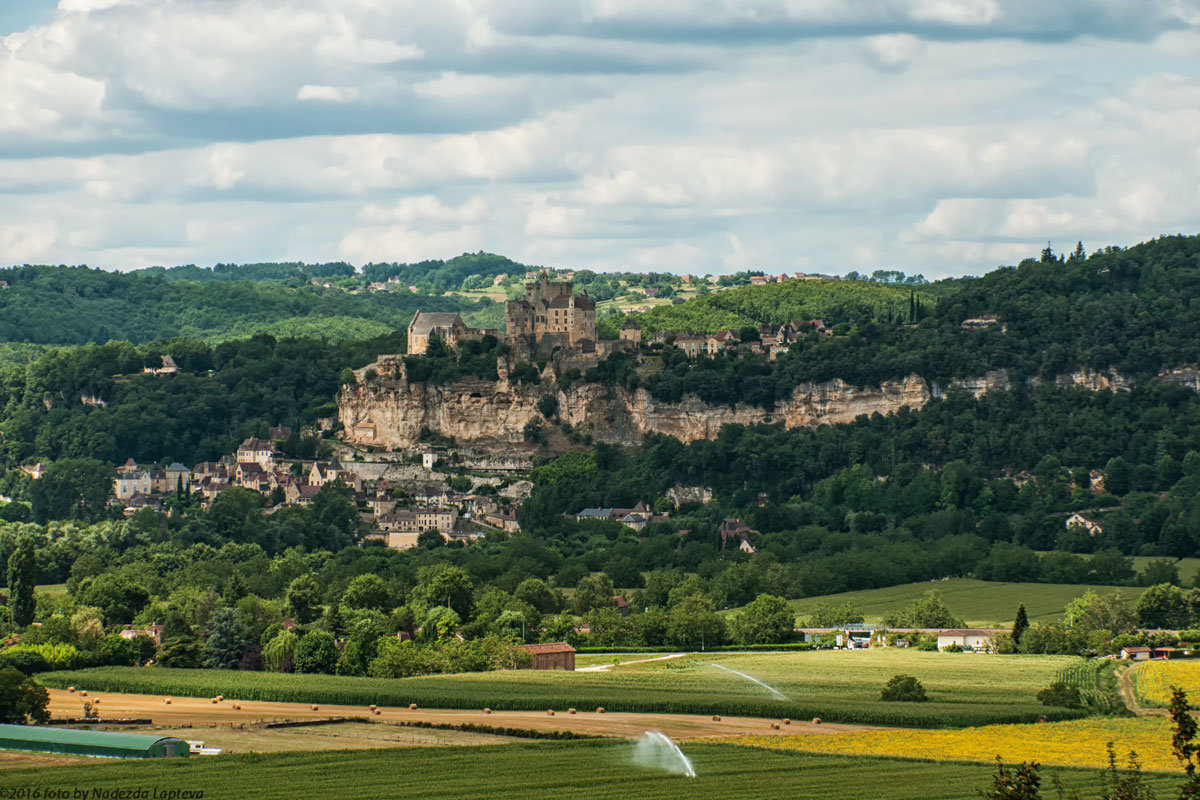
<point x="90" y="743"/>
<point x="966" y="638"/>
<point x="556" y="655"/>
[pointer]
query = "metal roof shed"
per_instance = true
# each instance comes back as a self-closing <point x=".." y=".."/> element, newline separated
<point x="90" y="743"/>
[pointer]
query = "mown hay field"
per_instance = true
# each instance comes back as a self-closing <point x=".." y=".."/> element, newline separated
<point x="1074" y="743"/>
<point x="838" y="686"/>
<point x="565" y="771"/>
<point x="1153" y="680"/>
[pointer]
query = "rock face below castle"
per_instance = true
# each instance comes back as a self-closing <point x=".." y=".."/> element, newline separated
<point x="393" y="413"/>
<point x="492" y="415"/>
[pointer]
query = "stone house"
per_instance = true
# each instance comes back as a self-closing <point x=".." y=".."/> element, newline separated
<point x="259" y="451"/>
<point x="1093" y="526"/>
<point x="446" y="325"/>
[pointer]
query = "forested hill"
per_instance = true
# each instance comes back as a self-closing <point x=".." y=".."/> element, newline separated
<point x="776" y="303"/>
<point x="78" y="305"/>
<point x="1133" y="310"/>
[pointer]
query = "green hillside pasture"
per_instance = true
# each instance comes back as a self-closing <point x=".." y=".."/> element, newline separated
<point x="832" y="301"/>
<point x="977" y="602"/>
<point x="838" y="686"/>
<point x="564" y="771"/>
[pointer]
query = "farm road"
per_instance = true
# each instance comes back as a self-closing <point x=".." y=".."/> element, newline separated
<point x="607" y="667"/>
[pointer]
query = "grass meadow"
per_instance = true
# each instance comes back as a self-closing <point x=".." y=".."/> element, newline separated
<point x="982" y="603"/>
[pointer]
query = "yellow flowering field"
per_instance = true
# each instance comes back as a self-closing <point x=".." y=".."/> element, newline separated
<point x="1154" y="679"/>
<point x="1078" y="743"/>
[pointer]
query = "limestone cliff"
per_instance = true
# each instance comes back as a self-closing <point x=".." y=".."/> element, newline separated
<point x="392" y="413"/>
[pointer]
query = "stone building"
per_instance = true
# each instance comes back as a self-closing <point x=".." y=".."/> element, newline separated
<point x="446" y="324"/>
<point x="550" y="309"/>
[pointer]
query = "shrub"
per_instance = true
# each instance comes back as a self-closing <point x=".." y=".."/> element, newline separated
<point x="1061" y="695"/>
<point x="927" y="647"/>
<point x="953" y="648"/>
<point x="29" y="662"/>
<point x="903" y="689"/>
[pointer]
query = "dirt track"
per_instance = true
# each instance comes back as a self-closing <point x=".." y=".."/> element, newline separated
<point x="199" y="712"/>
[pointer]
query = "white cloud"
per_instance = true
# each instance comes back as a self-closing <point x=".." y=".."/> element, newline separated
<point x="332" y="94"/>
<point x="931" y="136"/>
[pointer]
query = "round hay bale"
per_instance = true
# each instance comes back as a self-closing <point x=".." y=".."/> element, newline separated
<point x="600" y="710"/>
<point x="378" y="712"/>
<point x="237" y="707"/>
<point x="412" y="706"/>
<point x="774" y="726"/>
<point x="787" y="721"/>
<point x="96" y="701"/>
<point x="570" y="711"/>
<point x="816" y="720"/>
<point x="315" y="708"/>
<point x="549" y="712"/>
<point x="71" y="689"/>
<point x="214" y="701"/>
<point x="220" y="698"/>
<point x="716" y="718"/>
<point x="487" y="711"/>
<point x="167" y="701"/>
<point x="83" y="694"/>
<point x="373" y="706"/>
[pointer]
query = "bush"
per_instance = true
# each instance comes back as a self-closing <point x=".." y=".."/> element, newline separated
<point x="927" y="647"/>
<point x="903" y="689"/>
<point x="29" y="662"/>
<point x="1061" y="695"/>
<point x="316" y="653"/>
<point x="954" y="648"/>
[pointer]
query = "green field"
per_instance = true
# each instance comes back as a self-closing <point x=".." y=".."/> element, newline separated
<point x="977" y="602"/>
<point x="842" y="686"/>
<point x="563" y="771"/>
<point x="1188" y="567"/>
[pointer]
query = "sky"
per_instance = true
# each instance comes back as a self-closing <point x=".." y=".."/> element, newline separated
<point x="941" y="137"/>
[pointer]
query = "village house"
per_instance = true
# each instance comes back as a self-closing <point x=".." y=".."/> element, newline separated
<point x="259" y="451"/>
<point x="153" y="630"/>
<point x="631" y="332"/>
<point x="446" y="325"/>
<point x="504" y="520"/>
<point x="128" y="484"/>
<point x="179" y="477"/>
<point x="1093" y="526"/>
<point x="168" y="367"/>
<point x="428" y="460"/>
<point x="980" y="322"/>
<point x="692" y="345"/>
<point x="35" y="471"/>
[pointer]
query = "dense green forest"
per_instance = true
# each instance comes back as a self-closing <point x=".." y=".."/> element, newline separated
<point x="77" y="305"/>
<point x="222" y="395"/>
<point x="1130" y="309"/>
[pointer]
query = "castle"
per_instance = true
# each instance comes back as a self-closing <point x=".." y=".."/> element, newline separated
<point x="551" y="311"/>
<point x="549" y="316"/>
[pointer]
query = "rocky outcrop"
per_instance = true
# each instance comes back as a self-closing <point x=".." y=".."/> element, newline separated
<point x="391" y="413"/>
